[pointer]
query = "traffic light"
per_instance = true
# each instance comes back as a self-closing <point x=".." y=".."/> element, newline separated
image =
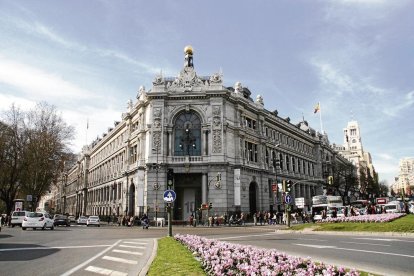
<point x="330" y="180"/>
<point x="289" y="185"/>
<point x="210" y="205"/>
<point x="170" y="179"/>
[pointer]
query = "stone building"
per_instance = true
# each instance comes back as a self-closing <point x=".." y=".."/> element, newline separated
<point x="219" y="145"/>
<point x="353" y="150"/>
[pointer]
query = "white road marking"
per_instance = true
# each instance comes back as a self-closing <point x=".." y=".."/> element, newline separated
<point x="104" y="271"/>
<point x="367" y="243"/>
<point x="90" y="260"/>
<point x="54" y="247"/>
<point x="245" y="236"/>
<point x="382" y="239"/>
<point x="132" y="246"/>
<point x="119" y="260"/>
<point x="127" y="252"/>
<point x="315" y="245"/>
<point x="357" y="250"/>
<point x="311" y="239"/>
<point x="140" y="243"/>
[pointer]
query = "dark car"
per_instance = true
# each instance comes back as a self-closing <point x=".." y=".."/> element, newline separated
<point x="61" y="220"/>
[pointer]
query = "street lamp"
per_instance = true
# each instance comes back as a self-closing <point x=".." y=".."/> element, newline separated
<point x="156" y="184"/>
<point x="276" y="164"/>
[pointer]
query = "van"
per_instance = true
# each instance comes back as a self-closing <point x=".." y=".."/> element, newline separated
<point x="17" y="217"/>
<point x="393" y="207"/>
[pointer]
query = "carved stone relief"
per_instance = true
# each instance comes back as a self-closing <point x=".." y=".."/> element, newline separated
<point x="156" y="139"/>
<point x="217" y="141"/>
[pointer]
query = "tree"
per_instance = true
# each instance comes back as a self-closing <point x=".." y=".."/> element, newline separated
<point x="12" y="142"/>
<point x="33" y="146"/>
<point x="46" y="149"/>
<point x="383" y="188"/>
<point x="344" y="180"/>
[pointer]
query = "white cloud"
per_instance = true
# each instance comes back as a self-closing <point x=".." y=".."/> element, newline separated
<point x="385" y="156"/>
<point x="37" y="84"/>
<point x="404" y="103"/>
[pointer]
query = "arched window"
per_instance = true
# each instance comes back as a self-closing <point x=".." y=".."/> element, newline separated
<point x="187" y="134"/>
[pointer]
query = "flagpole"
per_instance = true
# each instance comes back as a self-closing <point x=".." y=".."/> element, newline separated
<point x="320" y="117"/>
<point x="87" y="127"/>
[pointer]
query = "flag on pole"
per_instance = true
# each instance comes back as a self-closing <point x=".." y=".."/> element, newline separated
<point x="317" y="108"/>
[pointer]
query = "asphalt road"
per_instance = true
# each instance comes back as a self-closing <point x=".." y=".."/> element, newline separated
<point x="79" y="250"/>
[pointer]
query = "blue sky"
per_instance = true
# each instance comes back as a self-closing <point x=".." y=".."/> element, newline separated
<point x="88" y="58"/>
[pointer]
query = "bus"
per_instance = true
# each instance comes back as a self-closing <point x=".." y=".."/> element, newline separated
<point x="327" y="204"/>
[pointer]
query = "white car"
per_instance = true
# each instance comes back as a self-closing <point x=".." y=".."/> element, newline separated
<point x="38" y="220"/>
<point x="17" y="217"/>
<point x="93" y="220"/>
<point x="82" y="220"/>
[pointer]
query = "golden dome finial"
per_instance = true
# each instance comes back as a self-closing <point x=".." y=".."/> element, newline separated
<point x="188" y="50"/>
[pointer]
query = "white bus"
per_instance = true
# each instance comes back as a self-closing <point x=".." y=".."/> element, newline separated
<point x="326" y="204"/>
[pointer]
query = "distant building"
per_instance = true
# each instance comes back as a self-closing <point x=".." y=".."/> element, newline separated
<point x="404" y="183"/>
<point x="353" y="150"/>
<point x="218" y="144"/>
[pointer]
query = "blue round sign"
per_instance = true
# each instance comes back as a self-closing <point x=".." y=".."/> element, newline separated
<point x="169" y="196"/>
<point x="288" y="199"/>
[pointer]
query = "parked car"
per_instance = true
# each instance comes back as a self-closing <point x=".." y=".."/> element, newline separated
<point x="82" y="220"/>
<point x="61" y="220"/>
<point x="72" y="219"/>
<point x="17" y="217"/>
<point x="38" y="220"/>
<point x="93" y="220"/>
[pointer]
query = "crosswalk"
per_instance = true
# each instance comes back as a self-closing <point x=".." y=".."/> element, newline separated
<point x="126" y="258"/>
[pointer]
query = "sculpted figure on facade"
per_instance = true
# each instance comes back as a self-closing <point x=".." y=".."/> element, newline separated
<point x="259" y="100"/>
<point x="238" y="89"/>
<point x="129" y="105"/>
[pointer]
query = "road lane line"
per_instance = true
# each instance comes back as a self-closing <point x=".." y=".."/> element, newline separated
<point x="351" y="249"/>
<point x="132" y="246"/>
<point x="119" y="260"/>
<point x="367" y="243"/>
<point x="245" y="236"/>
<point x="382" y="239"/>
<point x="127" y="252"/>
<point x="76" y="268"/>
<point x="54" y="247"/>
<point x="140" y="243"/>
<point x="104" y="271"/>
<point x="311" y="239"/>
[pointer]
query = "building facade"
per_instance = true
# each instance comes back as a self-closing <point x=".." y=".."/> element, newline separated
<point x="221" y="147"/>
<point x="353" y="151"/>
<point x="404" y="183"/>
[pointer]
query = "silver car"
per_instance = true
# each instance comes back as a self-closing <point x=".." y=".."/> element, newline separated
<point x="93" y="220"/>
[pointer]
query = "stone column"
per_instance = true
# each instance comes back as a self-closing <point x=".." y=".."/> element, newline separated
<point x="204" y="189"/>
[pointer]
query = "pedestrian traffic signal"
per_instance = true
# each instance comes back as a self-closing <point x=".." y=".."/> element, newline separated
<point x="210" y="205"/>
<point x="170" y="179"/>
<point x="330" y="180"/>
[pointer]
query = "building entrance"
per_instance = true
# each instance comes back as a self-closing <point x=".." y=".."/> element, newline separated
<point x="188" y="190"/>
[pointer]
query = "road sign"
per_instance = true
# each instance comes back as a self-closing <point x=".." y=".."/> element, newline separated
<point x="29" y="198"/>
<point x="169" y="196"/>
<point x="288" y="199"/>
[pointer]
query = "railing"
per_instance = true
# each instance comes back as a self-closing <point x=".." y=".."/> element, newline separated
<point x="187" y="159"/>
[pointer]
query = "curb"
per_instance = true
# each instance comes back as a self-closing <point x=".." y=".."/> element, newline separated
<point x="145" y="269"/>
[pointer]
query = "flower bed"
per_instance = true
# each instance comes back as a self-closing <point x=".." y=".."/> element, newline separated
<point x="223" y="258"/>
<point x="378" y="218"/>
